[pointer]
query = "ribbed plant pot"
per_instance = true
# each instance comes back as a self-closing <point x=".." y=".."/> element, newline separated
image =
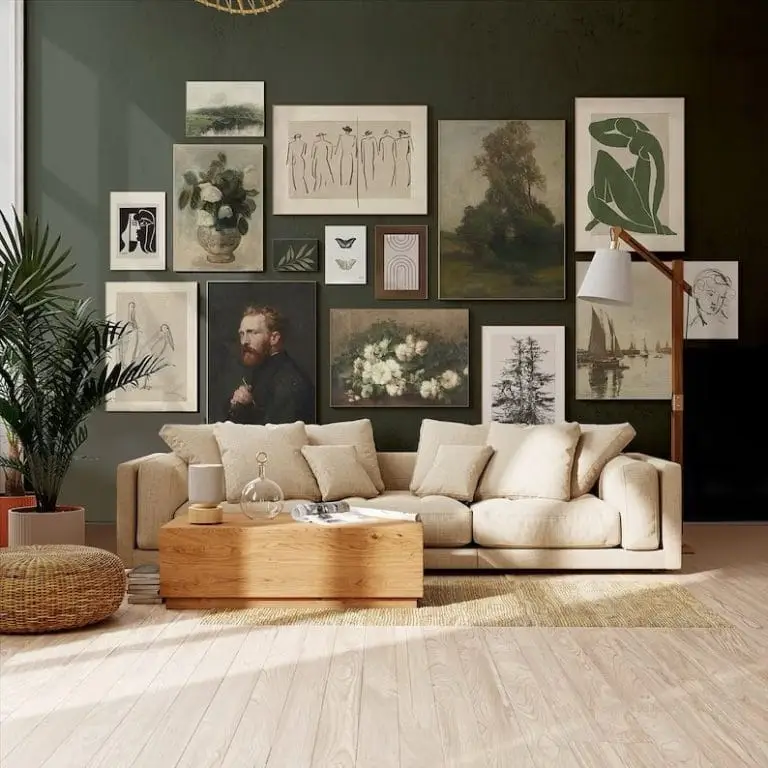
<point x="8" y="503"/>
<point x="64" y="526"/>
<point x="219" y="244"/>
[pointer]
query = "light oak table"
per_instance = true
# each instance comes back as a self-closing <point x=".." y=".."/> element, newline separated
<point x="241" y="563"/>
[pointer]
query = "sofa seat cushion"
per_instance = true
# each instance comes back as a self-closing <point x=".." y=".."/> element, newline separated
<point x="584" y="522"/>
<point x="446" y="522"/>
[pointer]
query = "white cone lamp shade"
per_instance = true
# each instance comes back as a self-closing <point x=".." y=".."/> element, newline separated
<point x="206" y="484"/>
<point x="609" y="278"/>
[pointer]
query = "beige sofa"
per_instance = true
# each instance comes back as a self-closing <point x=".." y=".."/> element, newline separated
<point x="632" y="520"/>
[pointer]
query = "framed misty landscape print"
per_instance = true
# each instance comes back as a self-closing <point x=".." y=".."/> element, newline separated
<point x="524" y="374"/>
<point x="399" y="358"/>
<point x="349" y="160"/>
<point x="224" y="109"/>
<point x="630" y="171"/>
<point x="501" y="186"/>
<point x="137" y="231"/>
<point x="623" y="352"/>
<point x="218" y="211"/>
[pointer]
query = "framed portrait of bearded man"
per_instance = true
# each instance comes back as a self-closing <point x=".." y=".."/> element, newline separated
<point x="262" y="347"/>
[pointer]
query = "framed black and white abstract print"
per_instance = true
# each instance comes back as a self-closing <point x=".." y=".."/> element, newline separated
<point x="137" y="231"/>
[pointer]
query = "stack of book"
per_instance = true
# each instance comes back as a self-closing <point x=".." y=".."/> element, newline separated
<point x="144" y="585"/>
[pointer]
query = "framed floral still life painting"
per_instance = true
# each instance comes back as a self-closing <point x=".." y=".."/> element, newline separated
<point x="399" y="358"/>
<point x="137" y="231"/>
<point x="218" y="208"/>
<point x="401" y="262"/>
<point x="630" y="171"/>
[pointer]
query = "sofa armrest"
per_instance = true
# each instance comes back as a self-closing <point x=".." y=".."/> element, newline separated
<point x="670" y="507"/>
<point x="162" y="489"/>
<point x="632" y="487"/>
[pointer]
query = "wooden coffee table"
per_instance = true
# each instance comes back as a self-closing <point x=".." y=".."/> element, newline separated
<point x="241" y="563"/>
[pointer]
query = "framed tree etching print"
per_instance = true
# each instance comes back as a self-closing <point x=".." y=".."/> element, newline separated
<point x="401" y="262"/>
<point x="524" y="374"/>
<point x="349" y="160"/>
<point x="630" y="171"/>
<point x="160" y="319"/>
<point x="137" y="231"/>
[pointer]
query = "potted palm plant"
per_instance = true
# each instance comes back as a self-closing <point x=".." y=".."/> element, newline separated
<point x="54" y="372"/>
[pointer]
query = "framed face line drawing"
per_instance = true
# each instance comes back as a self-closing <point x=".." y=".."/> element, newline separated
<point x="401" y="262"/>
<point x="137" y="231"/>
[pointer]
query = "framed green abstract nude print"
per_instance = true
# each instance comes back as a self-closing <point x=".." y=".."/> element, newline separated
<point x="630" y="171"/>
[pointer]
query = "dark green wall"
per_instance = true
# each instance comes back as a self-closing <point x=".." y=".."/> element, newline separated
<point x="106" y="97"/>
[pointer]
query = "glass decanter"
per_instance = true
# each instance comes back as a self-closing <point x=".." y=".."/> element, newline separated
<point x="262" y="498"/>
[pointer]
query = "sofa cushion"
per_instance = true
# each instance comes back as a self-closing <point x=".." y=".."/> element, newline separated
<point x="194" y="443"/>
<point x="240" y="444"/>
<point x="447" y="522"/>
<point x="598" y="444"/>
<point x="338" y="472"/>
<point x="358" y="433"/>
<point x="545" y="523"/>
<point x="456" y="470"/>
<point x="433" y="434"/>
<point x="530" y="461"/>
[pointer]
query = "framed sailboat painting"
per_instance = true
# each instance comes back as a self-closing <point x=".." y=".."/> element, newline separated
<point x="623" y="351"/>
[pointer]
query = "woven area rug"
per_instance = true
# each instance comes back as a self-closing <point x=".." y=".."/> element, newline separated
<point x="503" y="601"/>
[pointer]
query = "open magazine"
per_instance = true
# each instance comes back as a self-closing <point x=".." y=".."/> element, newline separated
<point x="340" y="512"/>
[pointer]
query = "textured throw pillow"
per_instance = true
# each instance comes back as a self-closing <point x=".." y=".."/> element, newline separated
<point x="530" y="461"/>
<point x="358" y="433"/>
<point x="338" y="472"/>
<point x="456" y="470"/>
<point x="240" y="444"/>
<point x="433" y="434"/>
<point x="598" y="444"/>
<point x="193" y="443"/>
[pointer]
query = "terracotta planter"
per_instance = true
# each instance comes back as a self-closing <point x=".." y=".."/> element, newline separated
<point x="64" y="526"/>
<point x="6" y="504"/>
<point x="219" y="244"/>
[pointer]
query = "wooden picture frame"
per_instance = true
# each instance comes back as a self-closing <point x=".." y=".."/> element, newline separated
<point x="401" y="262"/>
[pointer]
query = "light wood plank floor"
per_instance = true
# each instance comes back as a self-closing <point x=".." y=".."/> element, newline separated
<point x="157" y="689"/>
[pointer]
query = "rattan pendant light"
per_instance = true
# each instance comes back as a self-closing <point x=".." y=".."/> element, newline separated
<point x="242" y="7"/>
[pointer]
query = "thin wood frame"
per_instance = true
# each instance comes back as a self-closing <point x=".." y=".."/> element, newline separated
<point x="381" y="231"/>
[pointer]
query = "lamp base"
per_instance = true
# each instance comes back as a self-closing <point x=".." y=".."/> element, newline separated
<point x="205" y="514"/>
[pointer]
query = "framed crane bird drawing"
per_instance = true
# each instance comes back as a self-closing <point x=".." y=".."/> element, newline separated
<point x="160" y="319"/>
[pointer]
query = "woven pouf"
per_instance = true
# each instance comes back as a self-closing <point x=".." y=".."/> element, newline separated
<point x="48" y="588"/>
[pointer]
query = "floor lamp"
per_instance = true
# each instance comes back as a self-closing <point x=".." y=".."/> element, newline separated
<point x="609" y="281"/>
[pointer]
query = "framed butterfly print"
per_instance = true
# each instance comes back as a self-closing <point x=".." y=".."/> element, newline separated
<point x="333" y="160"/>
<point x="401" y="262"/>
<point x="345" y="256"/>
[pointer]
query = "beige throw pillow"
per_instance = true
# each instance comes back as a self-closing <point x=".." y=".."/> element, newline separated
<point x="433" y="434"/>
<point x="456" y="470"/>
<point x="530" y="461"/>
<point x="358" y="433"/>
<point x="240" y="444"/>
<point x="598" y="444"/>
<point x="338" y="472"/>
<point x="193" y="443"/>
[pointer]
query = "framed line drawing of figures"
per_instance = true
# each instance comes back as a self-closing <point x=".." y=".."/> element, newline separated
<point x="349" y="160"/>
<point x="524" y="374"/>
<point x="161" y="320"/>
<point x="401" y="262"/>
<point x="712" y="312"/>
<point x="137" y="231"/>
<point x="630" y="171"/>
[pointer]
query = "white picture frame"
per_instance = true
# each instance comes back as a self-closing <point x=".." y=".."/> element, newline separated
<point x="500" y="346"/>
<point x="712" y="311"/>
<point x="164" y="317"/>
<point x="12" y="118"/>
<point x="346" y="255"/>
<point x="137" y="231"/>
<point x="330" y="160"/>
<point x="656" y="217"/>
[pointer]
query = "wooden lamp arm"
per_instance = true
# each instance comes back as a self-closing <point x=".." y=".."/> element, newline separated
<point x="617" y="233"/>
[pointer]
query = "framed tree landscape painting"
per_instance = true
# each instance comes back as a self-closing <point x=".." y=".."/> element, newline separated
<point x="160" y="319"/>
<point x="524" y="374"/>
<point x="630" y="171"/>
<point x="501" y="186"/>
<point x="623" y="352"/>
<point x="349" y="160"/>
